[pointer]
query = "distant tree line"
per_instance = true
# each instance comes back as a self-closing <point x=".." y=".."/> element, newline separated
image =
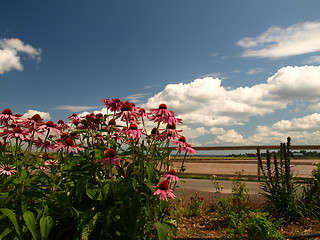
<point x="294" y="154"/>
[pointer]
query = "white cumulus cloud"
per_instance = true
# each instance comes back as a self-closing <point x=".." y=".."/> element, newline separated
<point x="278" y="42"/>
<point x="303" y="130"/>
<point x="230" y="136"/>
<point x="205" y="102"/>
<point x="309" y="122"/>
<point x="30" y="113"/>
<point x="9" y="58"/>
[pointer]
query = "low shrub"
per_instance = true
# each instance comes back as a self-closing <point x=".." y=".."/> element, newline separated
<point x="242" y="221"/>
<point x="195" y="205"/>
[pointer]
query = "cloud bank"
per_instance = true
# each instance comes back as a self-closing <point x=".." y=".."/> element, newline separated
<point x="9" y="49"/>
<point x="205" y="102"/>
<point x="206" y="106"/>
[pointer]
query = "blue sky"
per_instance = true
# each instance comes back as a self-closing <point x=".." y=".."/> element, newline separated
<point x="237" y="72"/>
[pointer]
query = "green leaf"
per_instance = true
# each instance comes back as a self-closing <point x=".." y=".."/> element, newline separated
<point x="23" y="175"/>
<point x="152" y="172"/>
<point x="88" y="222"/>
<point x="105" y="190"/>
<point x="98" y="154"/>
<point x="93" y="192"/>
<point x="31" y="223"/>
<point x="3" y="199"/>
<point x="80" y="187"/>
<point x="46" y="223"/>
<point x="163" y="231"/>
<point x="79" y="131"/>
<point x="12" y="216"/>
<point x="5" y="233"/>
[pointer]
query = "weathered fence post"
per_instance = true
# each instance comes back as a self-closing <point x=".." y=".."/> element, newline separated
<point x="258" y="165"/>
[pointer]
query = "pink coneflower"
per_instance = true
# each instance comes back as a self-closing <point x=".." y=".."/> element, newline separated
<point x="7" y="115"/>
<point x="171" y="119"/>
<point x="33" y="122"/>
<point x="171" y="176"/>
<point x="171" y="132"/>
<point x="160" y="113"/>
<point x="127" y="113"/>
<point x="163" y="190"/>
<point x="133" y="132"/>
<point x="76" y="122"/>
<point x="110" y="158"/>
<point x="73" y="117"/>
<point x="110" y="125"/>
<point x="182" y="142"/>
<point x="126" y="106"/>
<point x="104" y="100"/>
<point x="69" y="145"/>
<point x="51" y="162"/>
<point x="189" y="150"/>
<point x="184" y="146"/>
<point x="50" y="127"/>
<point x="98" y="136"/>
<point x="113" y="105"/>
<point x="90" y="121"/>
<point x="7" y="111"/>
<point x="16" y="132"/>
<point x="8" y="170"/>
<point x="39" y="143"/>
<point x="142" y="112"/>
<point x="62" y="125"/>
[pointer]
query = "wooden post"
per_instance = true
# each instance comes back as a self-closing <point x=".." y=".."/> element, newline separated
<point x="258" y="167"/>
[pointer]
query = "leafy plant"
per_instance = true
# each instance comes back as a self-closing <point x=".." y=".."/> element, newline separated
<point x="311" y="193"/>
<point x="233" y="209"/>
<point x="279" y="186"/>
<point x="99" y="176"/>
<point x="241" y="220"/>
<point x="196" y="205"/>
<point x="259" y="226"/>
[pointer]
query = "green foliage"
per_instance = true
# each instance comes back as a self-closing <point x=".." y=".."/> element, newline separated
<point x="242" y="221"/>
<point x="195" y="205"/>
<point x="234" y="208"/>
<point x="281" y="189"/>
<point x="311" y="193"/>
<point x="259" y="226"/>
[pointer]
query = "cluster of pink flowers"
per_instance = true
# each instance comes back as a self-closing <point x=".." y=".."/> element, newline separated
<point x="42" y="135"/>
<point x="127" y="112"/>
<point x="124" y="123"/>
